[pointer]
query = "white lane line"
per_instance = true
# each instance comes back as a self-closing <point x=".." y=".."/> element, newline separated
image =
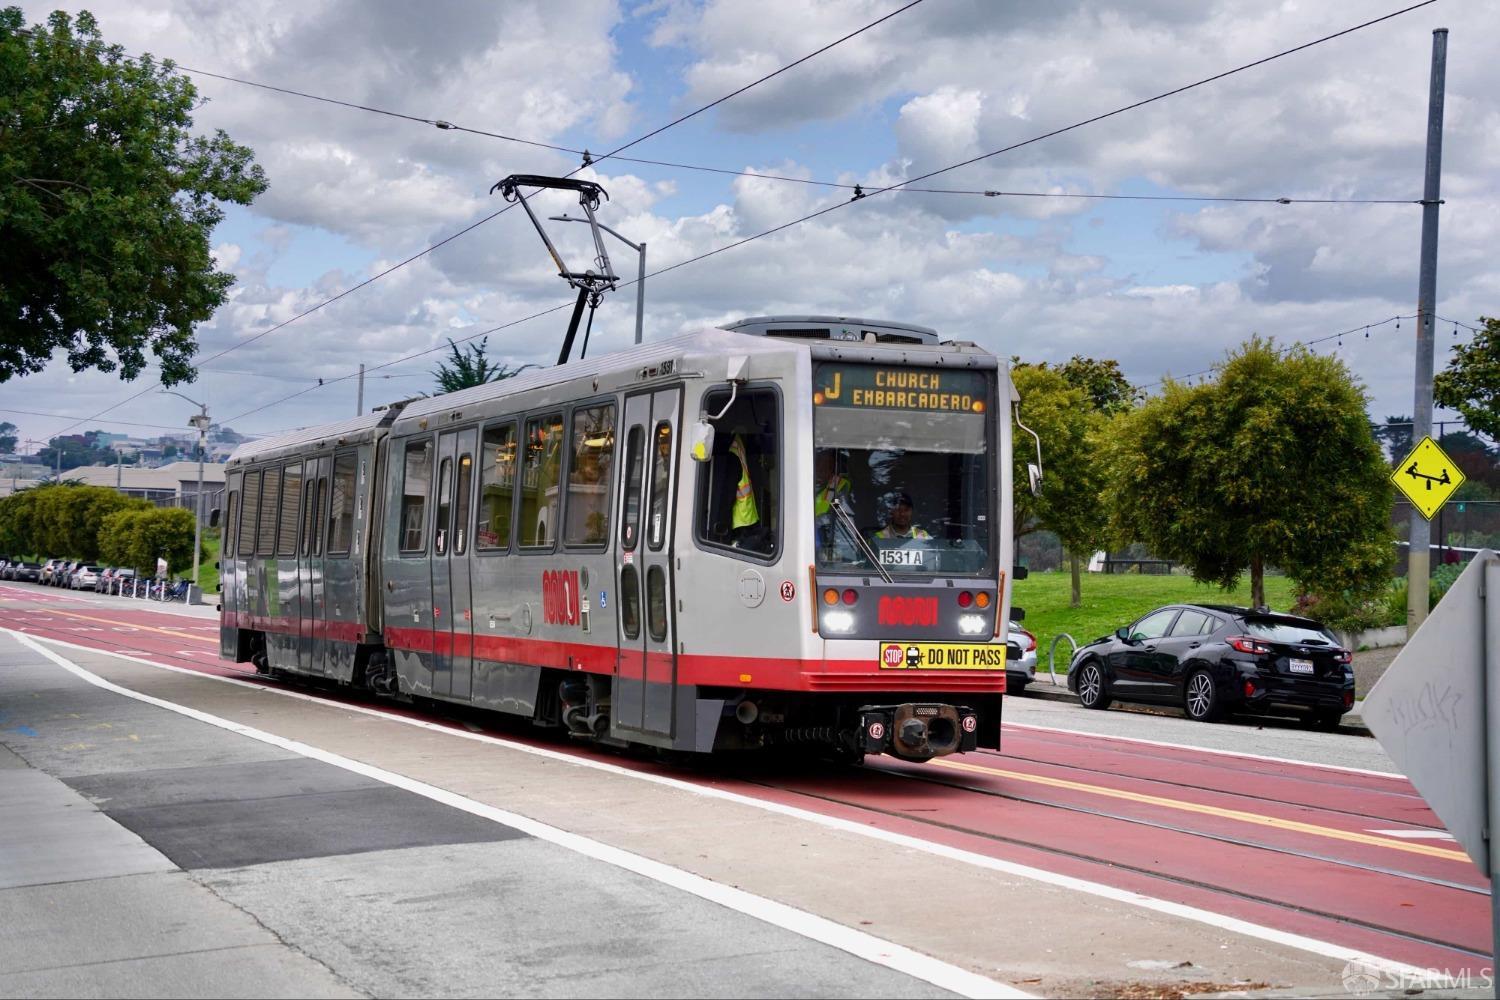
<point x="1208" y="917"/>
<point x="1415" y="834"/>
<point x="1207" y="750"/>
<point x="815" y="928"/>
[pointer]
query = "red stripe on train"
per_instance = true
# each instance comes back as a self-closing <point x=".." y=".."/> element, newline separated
<point x="657" y="667"/>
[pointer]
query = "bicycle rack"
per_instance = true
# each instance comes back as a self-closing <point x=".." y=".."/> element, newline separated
<point x="1052" y="653"/>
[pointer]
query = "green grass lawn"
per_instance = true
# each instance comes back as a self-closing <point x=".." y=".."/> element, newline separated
<point x="1112" y="600"/>
<point x="208" y="573"/>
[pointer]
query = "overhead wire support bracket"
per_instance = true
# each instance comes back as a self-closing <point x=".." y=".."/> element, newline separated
<point x="591" y="284"/>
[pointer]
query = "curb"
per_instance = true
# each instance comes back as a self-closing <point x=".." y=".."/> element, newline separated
<point x="1042" y="689"/>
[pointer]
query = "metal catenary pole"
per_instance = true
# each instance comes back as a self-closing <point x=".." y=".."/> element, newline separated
<point x="198" y="512"/>
<point x="1489" y="589"/>
<point x="359" y="406"/>
<point x="1419" y="555"/>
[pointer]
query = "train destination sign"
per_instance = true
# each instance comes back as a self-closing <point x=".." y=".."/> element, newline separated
<point x="886" y="387"/>
<point x="1428" y="477"/>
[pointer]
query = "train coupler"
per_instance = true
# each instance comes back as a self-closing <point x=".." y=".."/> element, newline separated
<point x="918" y="732"/>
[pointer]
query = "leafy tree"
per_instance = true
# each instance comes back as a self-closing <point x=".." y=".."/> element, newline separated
<point x="107" y="203"/>
<point x="1070" y="426"/>
<point x="7" y="437"/>
<point x="1103" y="383"/>
<point x="60" y="519"/>
<point x="470" y="366"/>
<point x="137" y="538"/>
<point x="1273" y="464"/>
<point x="1396" y="435"/>
<point x="1471" y="383"/>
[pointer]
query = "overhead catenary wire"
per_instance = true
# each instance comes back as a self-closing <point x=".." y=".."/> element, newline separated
<point x="902" y="184"/>
<point x="506" y="208"/>
<point x="783" y="178"/>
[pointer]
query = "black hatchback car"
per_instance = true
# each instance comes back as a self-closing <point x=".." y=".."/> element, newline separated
<point x="1211" y="659"/>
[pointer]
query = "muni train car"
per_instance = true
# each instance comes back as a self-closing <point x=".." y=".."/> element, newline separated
<point x="790" y="532"/>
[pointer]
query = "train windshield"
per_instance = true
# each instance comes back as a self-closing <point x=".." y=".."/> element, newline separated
<point x="902" y="461"/>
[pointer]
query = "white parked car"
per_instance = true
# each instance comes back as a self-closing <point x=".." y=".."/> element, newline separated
<point x="1020" y="670"/>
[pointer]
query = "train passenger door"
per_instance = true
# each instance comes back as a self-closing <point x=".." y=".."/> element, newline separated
<point x="443" y="609"/>
<point x="646" y="670"/>
<point x="307" y="477"/>
<point x="453" y="618"/>
<point x="229" y="588"/>
<point x="314" y="610"/>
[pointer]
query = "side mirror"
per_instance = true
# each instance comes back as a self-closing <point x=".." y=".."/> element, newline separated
<point x="213" y="518"/>
<point x="1019" y="572"/>
<point x="1017" y="614"/>
<point x="1123" y="633"/>
<point x="701" y="441"/>
<point x="1034" y="474"/>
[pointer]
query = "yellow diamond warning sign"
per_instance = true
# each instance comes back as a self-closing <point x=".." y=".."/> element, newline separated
<point x="1428" y="477"/>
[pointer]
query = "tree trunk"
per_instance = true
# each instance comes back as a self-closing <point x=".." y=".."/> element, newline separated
<point x="1257" y="582"/>
<point x="1076" y="563"/>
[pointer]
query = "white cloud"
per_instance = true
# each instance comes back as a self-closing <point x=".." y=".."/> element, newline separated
<point x="1160" y="287"/>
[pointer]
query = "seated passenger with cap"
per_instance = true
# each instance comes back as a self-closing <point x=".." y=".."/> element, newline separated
<point x="898" y="526"/>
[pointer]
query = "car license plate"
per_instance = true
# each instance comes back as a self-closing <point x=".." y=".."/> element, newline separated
<point x="1301" y="666"/>
<point x="941" y="656"/>
<point x="901" y="557"/>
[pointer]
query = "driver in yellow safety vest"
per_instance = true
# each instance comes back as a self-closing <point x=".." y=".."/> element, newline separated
<point x="745" y="513"/>
<point x="831" y="485"/>
<point x="899" y="525"/>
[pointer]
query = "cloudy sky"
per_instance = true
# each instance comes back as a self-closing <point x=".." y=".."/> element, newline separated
<point x="1163" y="286"/>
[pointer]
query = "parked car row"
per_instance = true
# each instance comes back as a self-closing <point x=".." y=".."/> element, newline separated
<point x="75" y="575"/>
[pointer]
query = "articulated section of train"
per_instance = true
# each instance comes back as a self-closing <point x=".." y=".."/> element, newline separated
<point x="787" y="533"/>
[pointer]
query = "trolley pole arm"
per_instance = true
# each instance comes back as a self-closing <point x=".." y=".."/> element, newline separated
<point x="591" y="286"/>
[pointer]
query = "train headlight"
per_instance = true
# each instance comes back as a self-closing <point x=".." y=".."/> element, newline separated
<point x="971" y="624"/>
<point x="838" y="621"/>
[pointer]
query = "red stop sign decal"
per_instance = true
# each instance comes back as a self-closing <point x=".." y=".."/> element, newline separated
<point x="893" y="656"/>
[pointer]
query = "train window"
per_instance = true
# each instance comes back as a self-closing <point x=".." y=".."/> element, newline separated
<point x="231" y="526"/>
<point x="497" y="487"/>
<point x="540" y="473"/>
<point x="461" y="504"/>
<point x="249" y="511"/>
<point x="444" y="506"/>
<point x="630" y="602"/>
<point x="589" y="475"/>
<point x="341" y="506"/>
<point x="415" y="483"/>
<point x="270" y="504"/>
<point x="286" y="530"/>
<point x="635" y="466"/>
<point x="320" y="508"/>
<point x="661" y="474"/>
<point x="656" y="603"/>
<point x="738" y="504"/>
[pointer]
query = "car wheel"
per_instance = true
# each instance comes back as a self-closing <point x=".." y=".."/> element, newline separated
<point x="1093" y="689"/>
<point x="1201" y="698"/>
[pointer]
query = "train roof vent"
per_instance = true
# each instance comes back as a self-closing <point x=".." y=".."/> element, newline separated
<point x="846" y="328"/>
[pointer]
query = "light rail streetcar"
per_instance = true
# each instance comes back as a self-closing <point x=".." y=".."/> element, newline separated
<point x="793" y="531"/>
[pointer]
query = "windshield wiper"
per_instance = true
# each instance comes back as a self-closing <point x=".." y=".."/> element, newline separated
<point x="859" y="541"/>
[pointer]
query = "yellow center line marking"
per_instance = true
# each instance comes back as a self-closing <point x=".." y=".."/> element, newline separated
<point x="1257" y="819"/>
<point x="148" y="628"/>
